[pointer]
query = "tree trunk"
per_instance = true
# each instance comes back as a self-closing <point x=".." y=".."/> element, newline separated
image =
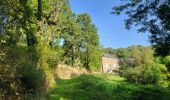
<point x="39" y="10"/>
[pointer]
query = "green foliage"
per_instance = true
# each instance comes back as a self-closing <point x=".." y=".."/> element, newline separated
<point x="32" y="79"/>
<point x="133" y="55"/>
<point x="151" y="16"/>
<point x="30" y="35"/>
<point x="142" y="67"/>
<point x="109" y="50"/>
<point x="166" y="61"/>
<point x="95" y="59"/>
<point x="123" y="53"/>
<point x="81" y="43"/>
<point x="151" y="93"/>
<point x="104" y="87"/>
<point x="142" y="55"/>
<point x="71" y="42"/>
<point x="54" y="57"/>
<point x="120" y="52"/>
<point x="147" y="74"/>
<point x="90" y="45"/>
<point x="20" y="76"/>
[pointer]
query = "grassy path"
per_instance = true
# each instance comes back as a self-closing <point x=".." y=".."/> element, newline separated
<point x="104" y="87"/>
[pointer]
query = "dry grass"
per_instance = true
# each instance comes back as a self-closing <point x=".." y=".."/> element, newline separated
<point x="67" y="72"/>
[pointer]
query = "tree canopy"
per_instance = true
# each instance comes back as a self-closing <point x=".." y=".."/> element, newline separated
<point x="152" y="16"/>
<point x="31" y="34"/>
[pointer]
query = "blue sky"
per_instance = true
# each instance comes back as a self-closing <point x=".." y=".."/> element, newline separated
<point x="111" y="28"/>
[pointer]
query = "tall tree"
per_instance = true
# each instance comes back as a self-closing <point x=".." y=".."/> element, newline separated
<point x="71" y="41"/>
<point x="89" y="42"/>
<point x="37" y="23"/>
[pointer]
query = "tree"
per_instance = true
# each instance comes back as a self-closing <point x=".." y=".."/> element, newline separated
<point x="8" y="26"/>
<point x="152" y="16"/>
<point x="71" y="41"/>
<point x="142" y="55"/>
<point x="123" y="53"/>
<point x="147" y="56"/>
<point x="137" y="56"/>
<point x="89" y="42"/>
<point x="110" y="50"/>
<point x="35" y="23"/>
<point x="30" y="36"/>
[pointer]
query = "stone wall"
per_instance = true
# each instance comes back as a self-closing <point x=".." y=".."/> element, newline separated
<point x="109" y="64"/>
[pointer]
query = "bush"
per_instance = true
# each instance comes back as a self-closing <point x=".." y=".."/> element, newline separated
<point x="53" y="58"/>
<point x="150" y="93"/>
<point x="145" y="74"/>
<point x="19" y="75"/>
<point x="31" y="78"/>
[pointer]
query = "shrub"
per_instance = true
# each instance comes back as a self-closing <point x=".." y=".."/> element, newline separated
<point x="150" y="93"/>
<point x="31" y="78"/>
<point x="19" y="73"/>
<point x="145" y="74"/>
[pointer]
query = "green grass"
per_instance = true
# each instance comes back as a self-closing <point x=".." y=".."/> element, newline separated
<point x="104" y="87"/>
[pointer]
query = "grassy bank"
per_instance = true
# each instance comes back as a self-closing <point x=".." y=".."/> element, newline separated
<point x="104" y="87"/>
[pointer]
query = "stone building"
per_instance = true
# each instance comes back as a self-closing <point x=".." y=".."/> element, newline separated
<point x="109" y="63"/>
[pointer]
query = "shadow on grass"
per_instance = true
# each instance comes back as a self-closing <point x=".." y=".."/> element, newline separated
<point x="96" y="87"/>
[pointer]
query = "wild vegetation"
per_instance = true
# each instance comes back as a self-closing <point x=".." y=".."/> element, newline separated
<point x="104" y="87"/>
<point x="38" y="35"/>
<point x="138" y="65"/>
<point x="35" y="36"/>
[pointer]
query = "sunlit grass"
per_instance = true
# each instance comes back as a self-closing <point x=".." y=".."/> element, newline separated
<point x="104" y="87"/>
